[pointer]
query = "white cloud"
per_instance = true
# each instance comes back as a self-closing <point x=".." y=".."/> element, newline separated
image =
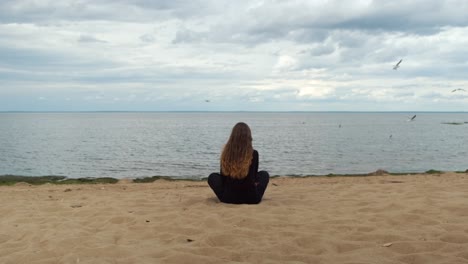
<point x="285" y="63"/>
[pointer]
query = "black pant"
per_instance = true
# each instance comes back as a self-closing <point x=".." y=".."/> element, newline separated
<point x="216" y="182"/>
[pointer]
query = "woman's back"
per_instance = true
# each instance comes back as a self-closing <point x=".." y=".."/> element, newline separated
<point x="239" y="180"/>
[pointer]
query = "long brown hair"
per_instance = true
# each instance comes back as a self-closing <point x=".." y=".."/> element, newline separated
<point x="237" y="153"/>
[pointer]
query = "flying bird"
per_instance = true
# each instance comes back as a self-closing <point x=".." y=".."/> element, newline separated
<point x="412" y="118"/>
<point x="397" y="65"/>
<point x="207" y="101"/>
<point x="459" y="89"/>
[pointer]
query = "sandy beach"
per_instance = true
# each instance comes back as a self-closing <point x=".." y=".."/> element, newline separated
<point x="375" y="219"/>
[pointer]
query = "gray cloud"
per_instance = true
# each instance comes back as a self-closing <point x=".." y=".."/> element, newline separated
<point x="187" y="36"/>
<point x="333" y="52"/>
<point x="148" y="38"/>
<point x="308" y="22"/>
<point x="90" y="39"/>
<point x="418" y="17"/>
<point x="44" y="11"/>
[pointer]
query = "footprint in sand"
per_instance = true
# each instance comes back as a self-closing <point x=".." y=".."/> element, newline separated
<point x="422" y="258"/>
<point x="4" y="238"/>
<point x="416" y="247"/>
<point x="463" y="255"/>
<point x="121" y="220"/>
<point x="345" y="247"/>
<point x="455" y="238"/>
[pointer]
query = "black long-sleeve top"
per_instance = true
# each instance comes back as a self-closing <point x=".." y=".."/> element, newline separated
<point x="242" y="190"/>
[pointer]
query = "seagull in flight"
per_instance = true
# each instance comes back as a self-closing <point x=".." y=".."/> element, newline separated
<point x="412" y="118"/>
<point x="397" y="65"/>
<point x="207" y="100"/>
<point x="459" y="89"/>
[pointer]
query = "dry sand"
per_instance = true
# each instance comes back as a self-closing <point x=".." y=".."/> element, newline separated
<point x="375" y="219"/>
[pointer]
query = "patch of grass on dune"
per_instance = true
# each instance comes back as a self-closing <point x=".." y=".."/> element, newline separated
<point x="88" y="181"/>
<point x="344" y="175"/>
<point x="433" y="172"/>
<point x="375" y="173"/>
<point x="167" y="178"/>
<point x="353" y="175"/>
<point x="275" y="176"/>
<point x="403" y="173"/>
<point x="13" y="179"/>
<point x="152" y="179"/>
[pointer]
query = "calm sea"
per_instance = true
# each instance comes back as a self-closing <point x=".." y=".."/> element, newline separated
<point x="188" y="144"/>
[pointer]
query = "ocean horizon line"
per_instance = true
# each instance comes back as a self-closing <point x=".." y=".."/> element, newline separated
<point x="226" y="111"/>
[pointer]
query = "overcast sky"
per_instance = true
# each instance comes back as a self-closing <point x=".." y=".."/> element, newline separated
<point x="233" y="55"/>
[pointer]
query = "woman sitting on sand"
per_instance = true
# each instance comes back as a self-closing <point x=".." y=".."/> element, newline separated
<point x="239" y="180"/>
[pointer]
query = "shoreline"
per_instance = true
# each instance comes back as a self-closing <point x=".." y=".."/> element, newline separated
<point x="10" y="179"/>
